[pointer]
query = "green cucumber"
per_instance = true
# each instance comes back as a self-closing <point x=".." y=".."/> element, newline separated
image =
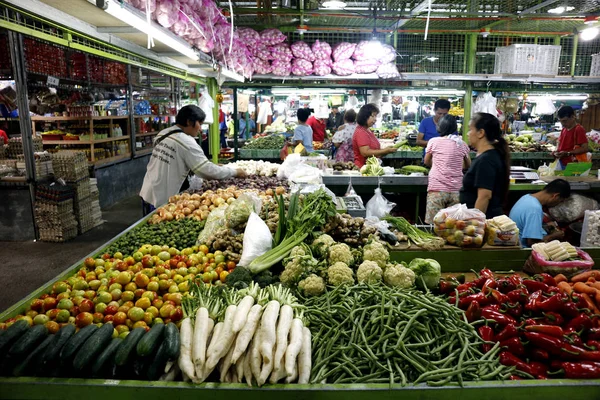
<point x="75" y="342"/>
<point x="128" y="346"/>
<point x="12" y="334"/>
<point x="172" y="341"/>
<point x="157" y="366"/>
<point x="26" y="343"/>
<point x="150" y="341"/>
<point x="140" y="366"/>
<point x="93" y="346"/>
<point x="106" y="357"/>
<point x="60" y="338"/>
<point x="25" y="366"/>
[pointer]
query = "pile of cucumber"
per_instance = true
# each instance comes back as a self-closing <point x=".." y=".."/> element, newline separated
<point x="91" y="352"/>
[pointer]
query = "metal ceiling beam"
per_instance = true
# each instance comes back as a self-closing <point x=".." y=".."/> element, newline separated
<point x="117" y="29"/>
<point x="537" y="7"/>
<point x="414" y="12"/>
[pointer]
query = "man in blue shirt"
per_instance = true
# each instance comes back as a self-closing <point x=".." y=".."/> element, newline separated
<point x="528" y="214"/>
<point x="246" y="133"/>
<point x="428" y="127"/>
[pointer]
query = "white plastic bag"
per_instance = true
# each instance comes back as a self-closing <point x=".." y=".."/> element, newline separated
<point x="305" y="174"/>
<point x="195" y="183"/>
<point x="573" y="208"/>
<point x="590" y="231"/>
<point x="289" y="165"/>
<point x="379" y="206"/>
<point x="238" y="212"/>
<point x="460" y="225"/>
<point x="257" y="240"/>
<point x="215" y="221"/>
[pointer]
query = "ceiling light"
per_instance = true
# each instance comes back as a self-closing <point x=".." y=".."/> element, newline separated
<point x="138" y="21"/>
<point x="557" y="10"/>
<point x="432" y="59"/>
<point x="334" y="5"/>
<point x="589" y="33"/>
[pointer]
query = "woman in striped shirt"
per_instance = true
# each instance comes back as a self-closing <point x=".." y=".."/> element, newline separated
<point x="447" y="155"/>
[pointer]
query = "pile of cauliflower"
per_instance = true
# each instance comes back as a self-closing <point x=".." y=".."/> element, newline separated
<point x="311" y="276"/>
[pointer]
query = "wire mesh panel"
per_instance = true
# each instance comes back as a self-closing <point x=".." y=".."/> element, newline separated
<point x="439" y="53"/>
<point x="486" y="49"/>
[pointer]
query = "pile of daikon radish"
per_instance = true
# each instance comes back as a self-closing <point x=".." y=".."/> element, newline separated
<point x="254" y="334"/>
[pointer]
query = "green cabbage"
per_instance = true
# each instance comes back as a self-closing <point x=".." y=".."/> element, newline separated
<point x="428" y="272"/>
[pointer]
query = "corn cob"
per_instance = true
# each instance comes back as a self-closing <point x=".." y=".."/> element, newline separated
<point x="570" y="249"/>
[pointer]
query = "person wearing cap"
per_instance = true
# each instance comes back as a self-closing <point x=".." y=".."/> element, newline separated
<point x="318" y="126"/>
<point x="428" y="127"/>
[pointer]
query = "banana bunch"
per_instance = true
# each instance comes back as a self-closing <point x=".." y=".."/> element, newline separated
<point x="555" y="250"/>
<point x="502" y="223"/>
<point x="457" y="111"/>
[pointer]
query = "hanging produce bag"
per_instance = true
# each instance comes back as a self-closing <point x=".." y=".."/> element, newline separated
<point x="460" y="226"/>
<point x="538" y="263"/>
<point x="379" y="206"/>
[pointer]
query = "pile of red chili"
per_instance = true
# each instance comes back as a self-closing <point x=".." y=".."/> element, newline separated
<point x="542" y="331"/>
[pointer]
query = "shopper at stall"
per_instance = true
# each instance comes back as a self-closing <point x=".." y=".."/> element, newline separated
<point x="246" y="132"/>
<point x="364" y="142"/>
<point x="428" y="127"/>
<point x="342" y="140"/>
<point x="447" y="155"/>
<point x="3" y="135"/>
<point x="318" y="126"/>
<point x="485" y="185"/>
<point x="528" y="212"/>
<point x="223" y="128"/>
<point x="572" y="142"/>
<point x="175" y="154"/>
<point x="303" y="133"/>
<point x="335" y="119"/>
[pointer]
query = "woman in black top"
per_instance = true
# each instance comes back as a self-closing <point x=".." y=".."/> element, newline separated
<point x="485" y="185"/>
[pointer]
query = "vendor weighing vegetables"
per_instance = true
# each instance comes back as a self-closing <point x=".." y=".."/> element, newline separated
<point x="175" y="154"/>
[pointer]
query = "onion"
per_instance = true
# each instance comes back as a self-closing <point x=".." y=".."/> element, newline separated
<point x="303" y="51"/>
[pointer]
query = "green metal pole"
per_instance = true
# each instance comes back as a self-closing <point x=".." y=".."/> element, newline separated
<point x="236" y="125"/>
<point x="472" y="47"/>
<point x="214" y="142"/>
<point x="468" y="107"/>
<point x="470" y="54"/>
<point x="574" y="53"/>
<point x="557" y="40"/>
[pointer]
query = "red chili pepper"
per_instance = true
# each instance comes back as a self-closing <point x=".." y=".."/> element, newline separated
<point x="552" y="290"/>
<point x="505" y="285"/>
<point x="531" y="321"/>
<point x="487" y="334"/>
<point x="545" y="278"/>
<point x="593" y="333"/>
<point x="551" y="318"/>
<point x="513" y="345"/>
<point x="473" y="312"/>
<point x="465" y="286"/>
<point x="480" y="297"/>
<point x="540" y="355"/>
<point x="508" y="332"/>
<point x="569" y="309"/>
<point x="447" y="286"/>
<point x="516" y="279"/>
<point x="486" y="273"/>
<point x="593" y="344"/>
<point x="533" y="300"/>
<point x="539" y="370"/>
<point x="488" y="284"/>
<point x="514" y="310"/>
<point x="534" y="286"/>
<point x="573" y="338"/>
<point x="560" y="348"/>
<point x="495" y="307"/>
<point x="515" y="378"/>
<point x="552" y="303"/>
<point x="583" y="321"/>
<point x="501" y="319"/>
<point x="551" y="330"/>
<point x="581" y="370"/>
<point x="499" y="297"/>
<point x="510" y="360"/>
<point x="518" y="295"/>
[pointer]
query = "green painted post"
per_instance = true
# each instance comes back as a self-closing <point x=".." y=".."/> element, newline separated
<point x="468" y="107"/>
<point x="557" y="40"/>
<point x="214" y="142"/>
<point x="574" y="54"/>
<point x="470" y="61"/>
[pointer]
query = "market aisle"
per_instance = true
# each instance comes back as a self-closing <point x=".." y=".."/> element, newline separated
<point x="28" y="265"/>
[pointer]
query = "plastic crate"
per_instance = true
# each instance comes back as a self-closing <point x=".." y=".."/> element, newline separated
<point x="595" y="69"/>
<point x="527" y="59"/>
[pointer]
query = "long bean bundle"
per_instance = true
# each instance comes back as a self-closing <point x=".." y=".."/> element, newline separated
<point x="379" y="334"/>
<point x="419" y="237"/>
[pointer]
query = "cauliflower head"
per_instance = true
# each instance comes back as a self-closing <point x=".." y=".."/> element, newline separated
<point x="312" y="285"/>
<point x="320" y="246"/>
<point x="369" y="272"/>
<point x="340" y="274"/>
<point x="376" y="251"/>
<point x="298" y="251"/>
<point x="399" y="276"/>
<point x="340" y="252"/>
<point x="292" y="272"/>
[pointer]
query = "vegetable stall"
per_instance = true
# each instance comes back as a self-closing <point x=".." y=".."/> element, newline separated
<point x="326" y="305"/>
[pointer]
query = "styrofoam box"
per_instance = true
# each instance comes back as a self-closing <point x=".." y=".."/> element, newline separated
<point x="527" y="59"/>
<point x="595" y="69"/>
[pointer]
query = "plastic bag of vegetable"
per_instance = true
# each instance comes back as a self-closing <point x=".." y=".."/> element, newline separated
<point x="366" y="66"/>
<point x="215" y="221"/>
<point x="262" y="52"/>
<point x="305" y="174"/>
<point x="282" y="52"/>
<point x="262" y="67"/>
<point x="271" y="37"/>
<point x="281" y="68"/>
<point x="388" y="54"/>
<point x="428" y="272"/>
<point x="379" y="206"/>
<point x="239" y="211"/>
<point x="388" y="71"/>
<point x="321" y="50"/>
<point x="343" y="67"/>
<point x="302" y="50"/>
<point x="343" y="51"/>
<point x="367" y="50"/>
<point x="301" y="67"/>
<point x="257" y="240"/>
<point x="288" y="166"/>
<point x="573" y="208"/>
<point x="322" y="67"/>
<point x="460" y="226"/>
<point x="249" y="36"/>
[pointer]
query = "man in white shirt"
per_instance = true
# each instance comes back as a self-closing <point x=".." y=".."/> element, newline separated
<point x="175" y="154"/>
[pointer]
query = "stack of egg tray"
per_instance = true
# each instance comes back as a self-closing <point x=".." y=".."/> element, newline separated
<point x="95" y="196"/>
<point x="15" y="147"/>
<point x="70" y="165"/>
<point x="54" y="193"/>
<point x="84" y="215"/>
<point x="43" y="165"/>
<point x="55" y="220"/>
<point x="81" y="189"/>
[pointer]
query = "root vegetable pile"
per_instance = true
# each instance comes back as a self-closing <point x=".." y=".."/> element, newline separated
<point x="270" y="185"/>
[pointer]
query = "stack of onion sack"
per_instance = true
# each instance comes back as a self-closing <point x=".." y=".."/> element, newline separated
<point x="90" y="352"/>
<point x="253" y="334"/>
<point x="540" y="330"/>
<point x="372" y="333"/>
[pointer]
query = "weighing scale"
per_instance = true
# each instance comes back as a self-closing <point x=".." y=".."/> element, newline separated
<point x="523" y="174"/>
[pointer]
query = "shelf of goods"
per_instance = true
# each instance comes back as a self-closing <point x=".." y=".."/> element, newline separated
<point x="95" y="133"/>
<point x="452" y="261"/>
<point x="146" y="127"/>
